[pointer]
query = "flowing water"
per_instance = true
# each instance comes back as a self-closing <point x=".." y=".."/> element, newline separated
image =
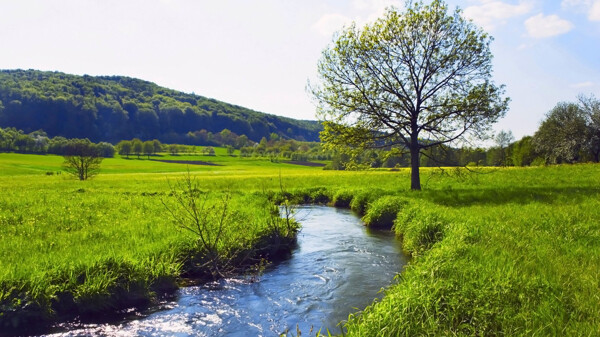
<point x="339" y="266"/>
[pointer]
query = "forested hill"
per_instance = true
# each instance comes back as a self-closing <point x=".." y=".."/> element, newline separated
<point x="112" y="108"/>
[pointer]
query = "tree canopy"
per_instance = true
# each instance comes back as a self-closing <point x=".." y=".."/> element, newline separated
<point x="591" y="108"/>
<point x="82" y="158"/>
<point x="570" y="132"/>
<point x="416" y="79"/>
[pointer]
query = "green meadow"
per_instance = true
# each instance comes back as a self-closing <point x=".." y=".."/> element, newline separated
<point x="495" y="251"/>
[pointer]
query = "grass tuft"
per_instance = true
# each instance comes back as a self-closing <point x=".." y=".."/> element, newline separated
<point x="382" y="212"/>
<point x="342" y="198"/>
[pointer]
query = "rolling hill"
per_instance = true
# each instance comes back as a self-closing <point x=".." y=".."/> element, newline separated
<point x="112" y="108"/>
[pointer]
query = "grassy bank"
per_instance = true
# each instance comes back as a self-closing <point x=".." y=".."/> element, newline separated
<point x="95" y="247"/>
<point x="508" y="258"/>
<point x="500" y="252"/>
<point x="496" y="252"/>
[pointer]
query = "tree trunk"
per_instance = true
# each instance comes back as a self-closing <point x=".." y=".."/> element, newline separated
<point x="415" y="178"/>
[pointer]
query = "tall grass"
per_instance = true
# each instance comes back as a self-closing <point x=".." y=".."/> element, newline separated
<point x="501" y="260"/>
<point x="95" y="247"/>
<point x="382" y="212"/>
<point x="497" y="252"/>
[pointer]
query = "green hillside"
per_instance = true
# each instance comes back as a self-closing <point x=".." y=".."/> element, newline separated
<point x="112" y="108"/>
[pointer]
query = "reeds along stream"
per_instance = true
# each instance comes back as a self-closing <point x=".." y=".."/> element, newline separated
<point x="339" y="265"/>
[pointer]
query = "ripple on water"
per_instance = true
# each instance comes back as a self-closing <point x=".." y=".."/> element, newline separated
<point x="339" y="265"/>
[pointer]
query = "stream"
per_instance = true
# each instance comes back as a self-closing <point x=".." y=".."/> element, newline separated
<point x="340" y="266"/>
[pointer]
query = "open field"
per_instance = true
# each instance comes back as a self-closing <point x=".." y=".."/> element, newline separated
<point x="505" y="259"/>
<point x="495" y="252"/>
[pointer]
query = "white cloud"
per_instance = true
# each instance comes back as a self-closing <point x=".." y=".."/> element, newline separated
<point x="491" y="13"/>
<point x="331" y="23"/>
<point x="582" y="85"/>
<point x="540" y="26"/>
<point x="590" y="7"/>
<point x="594" y="13"/>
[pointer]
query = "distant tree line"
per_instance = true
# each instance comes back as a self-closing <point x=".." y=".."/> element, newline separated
<point x="223" y="138"/>
<point x="38" y="142"/>
<point x="276" y="148"/>
<point x="273" y="148"/>
<point x="569" y="133"/>
<point x="114" y="108"/>
<point x="137" y="147"/>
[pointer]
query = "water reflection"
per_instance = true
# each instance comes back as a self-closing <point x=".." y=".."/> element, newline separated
<point x="339" y="266"/>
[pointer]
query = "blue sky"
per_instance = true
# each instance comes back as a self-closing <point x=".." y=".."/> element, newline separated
<point x="260" y="53"/>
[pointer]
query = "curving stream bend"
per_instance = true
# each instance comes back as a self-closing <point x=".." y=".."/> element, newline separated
<point x="339" y="266"/>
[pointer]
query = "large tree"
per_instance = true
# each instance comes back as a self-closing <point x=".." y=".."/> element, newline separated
<point x="415" y="79"/>
<point x="561" y="137"/>
<point x="570" y="132"/>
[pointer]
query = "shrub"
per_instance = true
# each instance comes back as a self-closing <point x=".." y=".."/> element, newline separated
<point x="362" y="199"/>
<point x="279" y="197"/>
<point x="313" y="195"/>
<point x="319" y="195"/>
<point x="538" y="161"/>
<point x="342" y="198"/>
<point x="383" y="211"/>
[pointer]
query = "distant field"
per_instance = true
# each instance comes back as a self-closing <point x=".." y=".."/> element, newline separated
<point x="511" y="251"/>
<point x="20" y="164"/>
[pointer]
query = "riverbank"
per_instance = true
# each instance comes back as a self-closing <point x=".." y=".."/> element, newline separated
<point x="513" y="260"/>
<point x="338" y="265"/>
<point x="517" y="256"/>
<point x="70" y="249"/>
<point x="496" y="251"/>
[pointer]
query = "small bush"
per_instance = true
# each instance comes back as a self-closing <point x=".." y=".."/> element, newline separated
<point x="361" y="200"/>
<point x="279" y="197"/>
<point x="342" y="198"/>
<point x="538" y="161"/>
<point x="314" y="195"/>
<point x="320" y="195"/>
<point x="383" y="211"/>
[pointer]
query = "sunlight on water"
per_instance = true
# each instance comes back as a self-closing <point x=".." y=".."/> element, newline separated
<point x="339" y="266"/>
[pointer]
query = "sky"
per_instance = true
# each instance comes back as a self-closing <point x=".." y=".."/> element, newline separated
<point x="261" y="53"/>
